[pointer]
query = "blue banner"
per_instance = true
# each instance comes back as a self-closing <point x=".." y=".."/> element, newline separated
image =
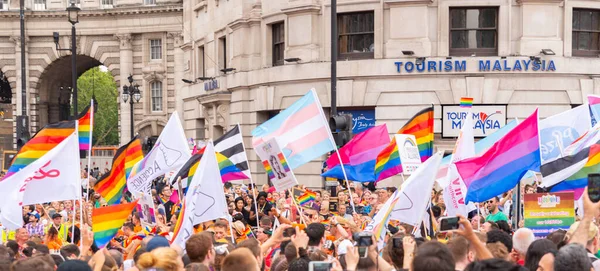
<point x="361" y="119"/>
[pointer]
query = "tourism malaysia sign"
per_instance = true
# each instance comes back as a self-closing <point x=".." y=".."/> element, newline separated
<point x="486" y="119"/>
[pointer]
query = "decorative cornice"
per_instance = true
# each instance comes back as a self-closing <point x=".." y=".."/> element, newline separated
<point x="243" y="22"/>
<point x="217" y="97"/>
<point x="310" y="8"/>
<point x="94" y="12"/>
<point x="408" y="2"/>
<point x="199" y="6"/>
<point x="541" y="1"/>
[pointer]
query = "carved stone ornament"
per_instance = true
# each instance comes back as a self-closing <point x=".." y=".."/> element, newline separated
<point x="124" y="41"/>
<point x="177" y="38"/>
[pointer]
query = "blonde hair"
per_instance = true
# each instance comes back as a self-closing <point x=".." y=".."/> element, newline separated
<point x="164" y="258"/>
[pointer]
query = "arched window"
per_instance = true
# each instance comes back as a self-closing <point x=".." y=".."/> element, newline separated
<point x="157" y="96"/>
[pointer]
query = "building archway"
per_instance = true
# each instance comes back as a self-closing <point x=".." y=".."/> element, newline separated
<point x="54" y="95"/>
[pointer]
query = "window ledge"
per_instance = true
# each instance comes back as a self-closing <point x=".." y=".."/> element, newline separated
<point x="200" y="6"/>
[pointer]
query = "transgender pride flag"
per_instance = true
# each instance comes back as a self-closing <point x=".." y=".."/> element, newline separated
<point x="501" y="167"/>
<point x="301" y="130"/>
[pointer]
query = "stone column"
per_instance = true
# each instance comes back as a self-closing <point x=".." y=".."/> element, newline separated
<point x="18" y="89"/>
<point x="126" y="68"/>
<point x="179" y="69"/>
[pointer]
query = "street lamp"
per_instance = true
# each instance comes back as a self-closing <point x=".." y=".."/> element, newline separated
<point x="131" y="93"/>
<point x="73" y="16"/>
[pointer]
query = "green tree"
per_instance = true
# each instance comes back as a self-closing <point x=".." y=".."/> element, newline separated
<point x="102" y="85"/>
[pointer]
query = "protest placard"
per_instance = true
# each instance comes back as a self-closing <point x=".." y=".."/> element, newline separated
<point x="548" y="212"/>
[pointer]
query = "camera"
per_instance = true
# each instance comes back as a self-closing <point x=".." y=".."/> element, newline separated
<point x="363" y="239"/>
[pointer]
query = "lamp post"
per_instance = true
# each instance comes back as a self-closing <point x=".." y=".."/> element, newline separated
<point x="73" y="16"/>
<point x="131" y="93"/>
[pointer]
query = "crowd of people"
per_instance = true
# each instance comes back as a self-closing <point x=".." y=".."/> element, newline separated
<point x="268" y="230"/>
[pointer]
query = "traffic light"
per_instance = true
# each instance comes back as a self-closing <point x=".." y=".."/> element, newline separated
<point x="341" y="128"/>
<point x="22" y="133"/>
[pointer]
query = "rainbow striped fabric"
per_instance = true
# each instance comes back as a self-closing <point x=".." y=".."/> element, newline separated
<point x="107" y="221"/>
<point x="85" y="127"/>
<point x="248" y="232"/>
<point x="179" y="222"/>
<point x="466" y="102"/>
<point x="307" y="198"/>
<point x="579" y="180"/>
<point x="229" y="172"/>
<point x="420" y="125"/>
<point x="269" y="170"/>
<point x="501" y="167"/>
<point x="112" y="184"/>
<point x="42" y="142"/>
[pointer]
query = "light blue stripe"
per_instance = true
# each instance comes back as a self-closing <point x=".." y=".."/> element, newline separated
<point x="502" y="179"/>
<point x="276" y="122"/>
<point x="309" y="154"/>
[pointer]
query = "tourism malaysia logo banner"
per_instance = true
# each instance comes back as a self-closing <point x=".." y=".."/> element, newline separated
<point x="486" y="119"/>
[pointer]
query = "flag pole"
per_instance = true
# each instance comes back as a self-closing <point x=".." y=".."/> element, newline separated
<point x="314" y="93"/>
<point x="87" y="193"/>
<point x="250" y="175"/>
<point x="297" y="207"/>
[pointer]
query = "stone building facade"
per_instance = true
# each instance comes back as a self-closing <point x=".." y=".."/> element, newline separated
<point x="129" y="37"/>
<point x="396" y="57"/>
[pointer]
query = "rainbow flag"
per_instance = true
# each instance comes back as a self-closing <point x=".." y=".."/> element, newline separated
<point x="85" y="127"/>
<point x="326" y="222"/>
<point x="578" y="181"/>
<point x="307" y="198"/>
<point x="112" y="184"/>
<point x="359" y="155"/>
<point x="229" y="172"/>
<point x="501" y="167"/>
<point x="41" y="143"/>
<point x="179" y="222"/>
<point x="420" y="125"/>
<point x="107" y="221"/>
<point x="466" y="102"/>
<point x="248" y="232"/>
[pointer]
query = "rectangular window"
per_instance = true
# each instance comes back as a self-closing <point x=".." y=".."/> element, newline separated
<point x="474" y="31"/>
<point x="3" y="4"/>
<point x="356" y="35"/>
<point x="107" y="3"/>
<point x="39" y="4"/>
<point x="222" y="53"/>
<point x="586" y="32"/>
<point x="156" y="88"/>
<point x="155" y="49"/>
<point x="201" y="65"/>
<point x="149" y="2"/>
<point x="278" y="39"/>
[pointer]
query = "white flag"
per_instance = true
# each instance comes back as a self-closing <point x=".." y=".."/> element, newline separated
<point x="416" y="192"/>
<point x="170" y="152"/>
<point x="205" y="199"/>
<point x="378" y="226"/>
<point x="558" y="131"/>
<point x="456" y="190"/>
<point x="54" y="176"/>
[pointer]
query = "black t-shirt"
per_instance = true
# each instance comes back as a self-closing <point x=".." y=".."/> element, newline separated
<point x="168" y="206"/>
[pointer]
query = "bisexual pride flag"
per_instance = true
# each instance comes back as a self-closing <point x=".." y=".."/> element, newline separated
<point x="501" y="167"/>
